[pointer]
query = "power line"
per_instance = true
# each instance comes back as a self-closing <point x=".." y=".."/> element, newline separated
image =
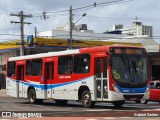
<point x="11" y="34"/>
<point x="101" y="4"/>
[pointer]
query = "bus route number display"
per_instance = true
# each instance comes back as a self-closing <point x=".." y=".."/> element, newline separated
<point x="127" y="51"/>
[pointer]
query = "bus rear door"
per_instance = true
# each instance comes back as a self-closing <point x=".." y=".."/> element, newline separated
<point x="20" y="78"/>
<point x="49" y="76"/>
<point x="101" y="79"/>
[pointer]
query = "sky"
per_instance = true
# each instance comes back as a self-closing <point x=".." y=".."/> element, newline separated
<point x="99" y="18"/>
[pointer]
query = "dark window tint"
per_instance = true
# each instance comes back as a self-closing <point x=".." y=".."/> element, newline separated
<point x="65" y="65"/>
<point x="105" y="68"/>
<point x="49" y="70"/>
<point x="82" y="63"/>
<point x="152" y="85"/>
<point x="155" y="72"/>
<point x="28" y="67"/>
<point x="11" y="68"/>
<point x="36" y="67"/>
<point x="98" y="68"/>
<point x="158" y="85"/>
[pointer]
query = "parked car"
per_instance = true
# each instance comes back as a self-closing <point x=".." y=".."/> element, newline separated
<point x="154" y="92"/>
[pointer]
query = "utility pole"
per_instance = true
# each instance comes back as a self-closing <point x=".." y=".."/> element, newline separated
<point x="21" y="16"/>
<point x="35" y="32"/>
<point x="70" y="40"/>
<point x="71" y="28"/>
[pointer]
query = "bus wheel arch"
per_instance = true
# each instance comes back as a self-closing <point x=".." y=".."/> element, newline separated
<point x="80" y="91"/>
<point x="84" y="95"/>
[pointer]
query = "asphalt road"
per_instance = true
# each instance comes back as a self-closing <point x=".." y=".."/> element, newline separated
<point x="75" y="109"/>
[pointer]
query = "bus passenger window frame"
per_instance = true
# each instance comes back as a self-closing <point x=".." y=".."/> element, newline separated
<point x="82" y="63"/>
<point x="28" y="67"/>
<point x="39" y="68"/>
<point x="65" y="64"/>
<point x="11" y="66"/>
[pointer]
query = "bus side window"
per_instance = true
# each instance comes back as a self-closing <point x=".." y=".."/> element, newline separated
<point x="65" y="64"/>
<point x="11" y="69"/>
<point x="36" y="67"/>
<point x="28" y="67"/>
<point x="82" y="63"/>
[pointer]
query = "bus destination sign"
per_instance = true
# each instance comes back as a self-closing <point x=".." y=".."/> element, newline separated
<point x="127" y="51"/>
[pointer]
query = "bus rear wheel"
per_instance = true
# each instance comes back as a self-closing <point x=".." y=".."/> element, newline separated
<point x="118" y="103"/>
<point x="86" y="99"/>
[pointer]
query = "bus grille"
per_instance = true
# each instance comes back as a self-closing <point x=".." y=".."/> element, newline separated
<point x="129" y="97"/>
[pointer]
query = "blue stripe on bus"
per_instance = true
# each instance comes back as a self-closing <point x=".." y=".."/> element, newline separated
<point x="132" y="90"/>
<point x="49" y="86"/>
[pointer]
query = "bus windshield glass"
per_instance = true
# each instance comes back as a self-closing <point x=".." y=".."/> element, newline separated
<point x="130" y="69"/>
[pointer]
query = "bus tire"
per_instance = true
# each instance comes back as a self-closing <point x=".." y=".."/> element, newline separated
<point x="32" y="96"/>
<point x="144" y="101"/>
<point x="118" y="103"/>
<point x="86" y="99"/>
<point x="61" y="102"/>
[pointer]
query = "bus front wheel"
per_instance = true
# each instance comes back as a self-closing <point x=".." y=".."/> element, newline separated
<point x="32" y="97"/>
<point x="86" y="99"/>
<point x="118" y="103"/>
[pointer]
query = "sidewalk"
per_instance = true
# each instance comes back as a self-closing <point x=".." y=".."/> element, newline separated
<point x="3" y="92"/>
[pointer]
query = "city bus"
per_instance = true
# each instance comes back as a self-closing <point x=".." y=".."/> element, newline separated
<point x="113" y="73"/>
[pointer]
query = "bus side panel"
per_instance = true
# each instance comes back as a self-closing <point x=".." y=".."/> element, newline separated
<point x="40" y="94"/>
<point x="11" y="86"/>
<point x="69" y="90"/>
<point x="25" y="88"/>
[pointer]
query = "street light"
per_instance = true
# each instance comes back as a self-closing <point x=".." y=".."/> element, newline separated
<point x="71" y="27"/>
<point x="80" y="18"/>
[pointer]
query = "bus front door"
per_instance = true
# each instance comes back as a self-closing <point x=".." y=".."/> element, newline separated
<point x="101" y="78"/>
<point x="49" y="76"/>
<point x="20" y="78"/>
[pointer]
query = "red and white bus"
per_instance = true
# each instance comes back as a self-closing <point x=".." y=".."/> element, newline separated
<point x="97" y="74"/>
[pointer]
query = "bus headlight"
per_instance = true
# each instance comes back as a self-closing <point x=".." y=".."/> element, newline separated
<point x="115" y="88"/>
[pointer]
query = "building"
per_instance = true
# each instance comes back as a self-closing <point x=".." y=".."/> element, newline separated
<point x="57" y="40"/>
<point x="136" y="29"/>
<point x="77" y="28"/>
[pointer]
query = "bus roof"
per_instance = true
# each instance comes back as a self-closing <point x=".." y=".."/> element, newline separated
<point x="68" y="52"/>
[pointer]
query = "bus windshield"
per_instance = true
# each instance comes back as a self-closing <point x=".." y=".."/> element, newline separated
<point x="130" y="70"/>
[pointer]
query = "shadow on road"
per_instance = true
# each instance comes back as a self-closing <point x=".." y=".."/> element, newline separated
<point x="105" y="106"/>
